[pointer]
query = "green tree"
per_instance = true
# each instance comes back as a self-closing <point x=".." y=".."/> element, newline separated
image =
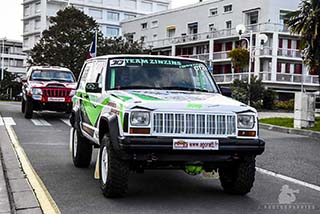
<point x="259" y="96"/>
<point x="66" y="43"/>
<point x="239" y="58"/>
<point x="9" y="84"/>
<point x="306" y="22"/>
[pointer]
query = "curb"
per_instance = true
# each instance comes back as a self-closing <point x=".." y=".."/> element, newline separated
<point x="20" y="194"/>
<point x="309" y="133"/>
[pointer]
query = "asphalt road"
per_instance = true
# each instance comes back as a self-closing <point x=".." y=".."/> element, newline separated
<point x="45" y="141"/>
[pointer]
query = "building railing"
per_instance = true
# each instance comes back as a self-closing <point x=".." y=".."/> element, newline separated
<point x="265" y="76"/>
<point x="220" y="55"/>
<point x="261" y="27"/>
<point x="289" y="52"/>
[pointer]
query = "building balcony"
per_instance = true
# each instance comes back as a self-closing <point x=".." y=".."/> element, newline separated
<point x="290" y="53"/>
<point x="217" y="34"/>
<point x="265" y="76"/>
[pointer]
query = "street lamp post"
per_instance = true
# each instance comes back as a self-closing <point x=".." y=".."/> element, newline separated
<point x="2" y="58"/>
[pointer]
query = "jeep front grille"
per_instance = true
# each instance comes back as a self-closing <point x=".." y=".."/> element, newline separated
<point x="55" y="92"/>
<point x="194" y="124"/>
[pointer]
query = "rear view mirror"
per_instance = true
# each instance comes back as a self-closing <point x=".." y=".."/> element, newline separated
<point x="93" y="87"/>
<point x="225" y="91"/>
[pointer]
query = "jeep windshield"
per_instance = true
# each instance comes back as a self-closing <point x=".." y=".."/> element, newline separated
<point x="159" y="73"/>
<point x="52" y="75"/>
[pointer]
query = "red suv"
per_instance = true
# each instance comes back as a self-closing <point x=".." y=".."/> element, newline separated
<point x="47" y="88"/>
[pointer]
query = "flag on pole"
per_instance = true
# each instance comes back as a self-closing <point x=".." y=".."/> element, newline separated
<point x="93" y="47"/>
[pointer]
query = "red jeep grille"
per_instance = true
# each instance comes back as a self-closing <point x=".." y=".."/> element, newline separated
<point x="55" y="92"/>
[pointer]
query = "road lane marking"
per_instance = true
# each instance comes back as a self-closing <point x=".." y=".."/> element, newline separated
<point x="287" y="178"/>
<point x="40" y="122"/>
<point x="9" y="121"/>
<point x="48" y="205"/>
<point x="66" y="121"/>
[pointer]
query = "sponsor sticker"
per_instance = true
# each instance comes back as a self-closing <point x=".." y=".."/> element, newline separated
<point x="56" y="99"/>
<point x="117" y="62"/>
<point x="195" y="144"/>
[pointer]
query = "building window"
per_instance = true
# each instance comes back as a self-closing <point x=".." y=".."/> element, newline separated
<point x="146" y="6"/>
<point x="112" y="31"/>
<point x="161" y="7"/>
<point x="37" y="38"/>
<point x="129" y="16"/>
<point x="37" y="24"/>
<point x="154" y="23"/>
<point x="113" y="16"/>
<point x="211" y="28"/>
<point x="228" y="24"/>
<point x="252" y="18"/>
<point x="26" y="11"/>
<point x="26" y="26"/>
<point x="37" y="7"/>
<point x="26" y="42"/>
<point x="144" y="25"/>
<point x="171" y="31"/>
<point x="193" y="28"/>
<point x="227" y="8"/>
<point x="96" y="14"/>
<point x="129" y="37"/>
<point x="213" y="11"/>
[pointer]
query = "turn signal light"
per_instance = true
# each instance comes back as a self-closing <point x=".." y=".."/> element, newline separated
<point x="139" y="130"/>
<point x="247" y="133"/>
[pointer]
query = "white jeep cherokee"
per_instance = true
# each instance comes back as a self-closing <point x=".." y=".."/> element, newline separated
<point x="157" y="112"/>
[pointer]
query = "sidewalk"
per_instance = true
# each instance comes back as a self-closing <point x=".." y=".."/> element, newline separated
<point x="16" y="195"/>
<point x="268" y="114"/>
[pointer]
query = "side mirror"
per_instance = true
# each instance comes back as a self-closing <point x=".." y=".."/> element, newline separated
<point x="225" y="91"/>
<point x="93" y="87"/>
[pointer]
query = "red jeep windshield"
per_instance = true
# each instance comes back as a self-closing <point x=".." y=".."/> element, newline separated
<point x="52" y="75"/>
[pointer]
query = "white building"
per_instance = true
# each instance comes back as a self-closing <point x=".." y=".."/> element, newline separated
<point x="207" y="31"/>
<point x="12" y="59"/>
<point x="108" y="13"/>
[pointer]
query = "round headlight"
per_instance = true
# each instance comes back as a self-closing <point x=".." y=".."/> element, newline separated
<point x="140" y="118"/>
<point x="36" y="91"/>
<point x="245" y="121"/>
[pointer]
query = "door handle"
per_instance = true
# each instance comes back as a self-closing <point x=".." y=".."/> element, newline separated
<point x="86" y="96"/>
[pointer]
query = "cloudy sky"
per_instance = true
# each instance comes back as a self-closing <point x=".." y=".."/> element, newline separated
<point x="11" y="15"/>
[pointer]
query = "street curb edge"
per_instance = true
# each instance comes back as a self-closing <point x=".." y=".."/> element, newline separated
<point x="309" y="133"/>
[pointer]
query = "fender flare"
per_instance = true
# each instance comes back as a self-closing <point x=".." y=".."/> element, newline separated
<point x="110" y="126"/>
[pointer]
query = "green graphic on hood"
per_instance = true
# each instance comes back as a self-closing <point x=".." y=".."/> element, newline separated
<point x="122" y="97"/>
<point x="146" y="97"/>
<point x="194" y="106"/>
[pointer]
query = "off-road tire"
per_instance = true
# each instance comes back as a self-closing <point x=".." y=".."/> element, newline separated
<point x="23" y="105"/>
<point x="28" y="109"/>
<point x="117" y="175"/>
<point x="239" y="178"/>
<point x="82" y="158"/>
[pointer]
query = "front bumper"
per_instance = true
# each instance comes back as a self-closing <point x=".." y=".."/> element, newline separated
<point x="161" y="149"/>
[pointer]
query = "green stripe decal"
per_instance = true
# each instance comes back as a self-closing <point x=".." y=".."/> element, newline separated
<point x="93" y="112"/>
<point x="121" y="115"/>
<point x="113" y="78"/>
<point x="124" y="98"/>
<point x="146" y="97"/>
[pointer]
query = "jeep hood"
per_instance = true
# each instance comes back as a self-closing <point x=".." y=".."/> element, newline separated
<point x="172" y="100"/>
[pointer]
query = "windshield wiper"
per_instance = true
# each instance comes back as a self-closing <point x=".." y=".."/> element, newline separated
<point x="186" y="88"/>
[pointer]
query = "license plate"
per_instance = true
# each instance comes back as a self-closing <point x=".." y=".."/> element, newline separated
<point x="56" y="99"/>
<point x="195" y="144"/>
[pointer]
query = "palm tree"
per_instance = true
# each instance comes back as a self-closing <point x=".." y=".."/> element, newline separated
<point x="306" y="22"/>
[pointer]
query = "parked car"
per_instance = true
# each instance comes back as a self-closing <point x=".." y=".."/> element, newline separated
<point x="47" y="88"/>
<point x="156" y="112"/>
